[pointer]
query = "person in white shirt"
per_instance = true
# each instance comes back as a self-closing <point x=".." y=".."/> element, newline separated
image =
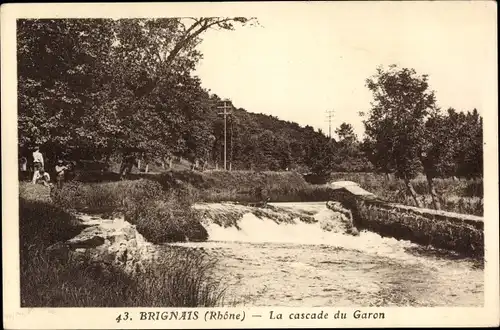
<point x="37" y="162"/>
<point x="42" y="177"/>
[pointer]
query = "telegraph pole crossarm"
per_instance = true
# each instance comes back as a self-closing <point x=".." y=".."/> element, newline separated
<point x="226" y="105"/>
<point x="329" y="115"/>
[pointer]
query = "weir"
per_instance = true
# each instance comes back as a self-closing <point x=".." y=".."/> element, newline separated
<point x="461" y="233"/>
<point x="291" y="254"/>
<point x="350" y="210"/>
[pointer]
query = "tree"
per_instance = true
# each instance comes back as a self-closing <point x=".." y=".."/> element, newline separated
<point x="102" y="85"/>
<point x="470" y="146"/>
<point x="63" y="72"/>
<point x="437" y="152"/>
<point x="395" y="124"/>
<point x="345" y="132"/>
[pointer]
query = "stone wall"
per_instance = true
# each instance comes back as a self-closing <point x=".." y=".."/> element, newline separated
<point x="462" y="233"/>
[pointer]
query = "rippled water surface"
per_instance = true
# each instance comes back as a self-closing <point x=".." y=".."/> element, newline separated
<point x="267" y="263"/>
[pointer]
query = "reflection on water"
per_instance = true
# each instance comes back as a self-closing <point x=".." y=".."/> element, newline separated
<point x="265" y="263"/>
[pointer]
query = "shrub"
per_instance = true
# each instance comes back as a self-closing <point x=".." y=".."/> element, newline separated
<point x="166" y="220"/>
<point x="161" y="216"/>
<point x="96" y="197"/>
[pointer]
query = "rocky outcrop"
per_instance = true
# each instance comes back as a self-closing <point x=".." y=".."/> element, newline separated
<point x="108" y="242"/>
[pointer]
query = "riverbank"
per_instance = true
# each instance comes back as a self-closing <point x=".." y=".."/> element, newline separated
<point x="459" y="196"/>
<point x="160" y="205"/>
<point x="69" y="260"/>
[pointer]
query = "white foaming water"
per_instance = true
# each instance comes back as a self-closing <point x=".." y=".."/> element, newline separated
<point x="269" y="257"/>
<point x="326" y="231"/>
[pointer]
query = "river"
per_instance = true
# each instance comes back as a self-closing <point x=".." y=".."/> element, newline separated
<point x="266" y="262"/>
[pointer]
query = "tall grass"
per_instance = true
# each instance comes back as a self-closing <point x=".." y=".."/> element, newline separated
<point x="185" y="279"/>
<point x="182" y="278"/>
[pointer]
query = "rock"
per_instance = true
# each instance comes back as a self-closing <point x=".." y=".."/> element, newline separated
<point x="129" y="231"/>
<point x="117" y="238"/>
<point x="108" y="243"/>
<point x="86" y="243"/>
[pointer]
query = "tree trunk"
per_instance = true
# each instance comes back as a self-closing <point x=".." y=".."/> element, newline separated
<point x="146" y="169"/>
<point x="170" y="160"/>
<point x="412" y="192"/>
<point x="435" y="199"/>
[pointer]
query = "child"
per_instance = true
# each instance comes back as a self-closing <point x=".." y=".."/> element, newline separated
<point x="42" y="177"/>
<point x="60" y="171"/>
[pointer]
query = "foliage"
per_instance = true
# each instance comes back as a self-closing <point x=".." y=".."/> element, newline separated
<point x="95" y="88"/>
<point x="91" y="87"/>
<point x="349" y="154"/>
<point x="166" y="220"/>
<point x="395" y="124"/>
<point x="406" y="133"/>
<point x="454" y="144"/>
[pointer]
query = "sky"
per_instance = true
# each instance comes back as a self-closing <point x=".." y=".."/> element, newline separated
<point x="300" y="63"/>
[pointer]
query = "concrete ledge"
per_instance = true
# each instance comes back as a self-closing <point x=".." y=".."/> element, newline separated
<point x="462" y="233"/>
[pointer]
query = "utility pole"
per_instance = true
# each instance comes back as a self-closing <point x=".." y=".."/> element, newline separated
<point x="329" y="115"/>
<point x="225" y="105"/>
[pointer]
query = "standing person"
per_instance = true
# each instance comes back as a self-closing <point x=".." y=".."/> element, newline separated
<point x="60" y="172"/>
<point x="128" y="162"/>
<point x="37" y="162"/>
<point x="23" y="167"/>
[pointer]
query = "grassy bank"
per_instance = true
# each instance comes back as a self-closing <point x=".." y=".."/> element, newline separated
<point x="242" y="186"/>
<point x="183" y="278"/>
<point x="460" y="196"/>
